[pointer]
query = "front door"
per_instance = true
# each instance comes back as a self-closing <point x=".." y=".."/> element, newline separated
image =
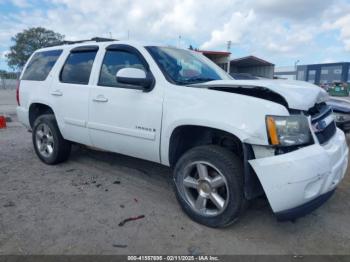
<point x="123" y="119"/>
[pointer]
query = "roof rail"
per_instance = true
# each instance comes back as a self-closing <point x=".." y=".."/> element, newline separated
<point x="94" y="39"/>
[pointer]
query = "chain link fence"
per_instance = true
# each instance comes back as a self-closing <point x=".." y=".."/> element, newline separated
<point x="8" y="80"/>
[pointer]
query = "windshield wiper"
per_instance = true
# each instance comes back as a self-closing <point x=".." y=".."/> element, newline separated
<point x="202" y="79"/>
<point x="197" y="80"/>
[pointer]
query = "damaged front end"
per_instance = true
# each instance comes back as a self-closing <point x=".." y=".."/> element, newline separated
<point x="306" y="156"/>
<point x="299" y="178"/>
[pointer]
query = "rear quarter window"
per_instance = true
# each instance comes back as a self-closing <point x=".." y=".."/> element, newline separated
<point x="40" y="65"/>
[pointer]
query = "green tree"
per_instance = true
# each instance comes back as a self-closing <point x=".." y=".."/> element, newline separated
<point x="29" y="40"/>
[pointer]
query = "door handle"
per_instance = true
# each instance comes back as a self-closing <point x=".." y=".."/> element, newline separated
<point x="57" y="93"/>
<point x="100" y="98"/>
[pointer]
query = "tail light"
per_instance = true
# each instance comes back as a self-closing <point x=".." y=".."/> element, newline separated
<point x="17" y="92"/>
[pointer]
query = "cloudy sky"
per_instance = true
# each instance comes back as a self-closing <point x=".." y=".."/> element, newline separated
<point x="281" y="31"/>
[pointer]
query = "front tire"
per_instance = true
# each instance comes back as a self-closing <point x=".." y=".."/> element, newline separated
<point x="49" y="145"/>
<point x="209" y="185"/>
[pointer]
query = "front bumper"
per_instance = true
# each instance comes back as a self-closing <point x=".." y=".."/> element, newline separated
<point x="294" y="179"/>
<point x="304" y="209"/>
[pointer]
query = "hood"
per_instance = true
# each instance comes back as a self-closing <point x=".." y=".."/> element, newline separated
<point x="297" y="94"/>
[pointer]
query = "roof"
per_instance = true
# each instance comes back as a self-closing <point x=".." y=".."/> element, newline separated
<point x="326" y="64"/>
<point x="250" y="61"/>
<point x="94" y="39"/>
<point x="208" y="52"/>
<point x="72" y="45"/>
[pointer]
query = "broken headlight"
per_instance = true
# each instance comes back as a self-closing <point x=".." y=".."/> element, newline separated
<point x="288" y="130"/>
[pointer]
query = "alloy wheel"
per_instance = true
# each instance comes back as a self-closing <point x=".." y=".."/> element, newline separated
<point x="44" y="140"/>
<point x="205" y="188"/>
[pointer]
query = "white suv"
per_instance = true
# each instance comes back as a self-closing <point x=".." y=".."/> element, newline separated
<point x="228" y="141"/>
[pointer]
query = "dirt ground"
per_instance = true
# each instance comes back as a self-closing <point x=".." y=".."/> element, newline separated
<point x="75" y="208"/>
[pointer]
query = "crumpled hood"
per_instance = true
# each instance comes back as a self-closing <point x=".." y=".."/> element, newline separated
<point x="298" y="94"/>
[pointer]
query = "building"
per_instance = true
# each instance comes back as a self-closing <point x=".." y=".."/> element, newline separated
<point x="319" y="74"/>
<point x="220" y="58"/>
<point x="286" y="72"/>
<point x="248" y="65"/>
<point x="252" y="65"/>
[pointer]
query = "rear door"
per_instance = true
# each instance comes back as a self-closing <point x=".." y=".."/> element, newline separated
<point x="70" y="93"/>
<point x="123" y="119"/>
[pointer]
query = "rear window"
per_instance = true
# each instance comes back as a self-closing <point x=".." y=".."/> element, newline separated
<point x="78" y="67"/>
<point x="40" y="65"/>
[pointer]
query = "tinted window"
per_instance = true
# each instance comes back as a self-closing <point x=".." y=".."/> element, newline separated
<point x="114" y="61"/>
<point x="77" y="68"/>
<point x="40" y="65"/>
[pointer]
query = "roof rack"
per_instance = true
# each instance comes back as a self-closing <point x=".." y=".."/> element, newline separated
<point x="94" y="39"/>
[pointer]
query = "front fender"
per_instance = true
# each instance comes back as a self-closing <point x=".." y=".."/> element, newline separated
<point x="240" y="115"/>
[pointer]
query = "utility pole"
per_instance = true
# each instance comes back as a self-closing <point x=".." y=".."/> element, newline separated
<point x="296" y="69"/>
<point x="229" y="43"/>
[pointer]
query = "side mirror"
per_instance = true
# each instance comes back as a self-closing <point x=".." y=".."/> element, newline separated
<point x="135" y="77"/>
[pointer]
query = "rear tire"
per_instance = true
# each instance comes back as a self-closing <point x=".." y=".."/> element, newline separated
<point x="49" y="145"/>
<point x="209" y="185"/>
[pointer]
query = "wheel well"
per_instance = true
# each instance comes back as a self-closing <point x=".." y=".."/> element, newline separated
<point x="36" y="110"/>
<point x="186" y="137"/>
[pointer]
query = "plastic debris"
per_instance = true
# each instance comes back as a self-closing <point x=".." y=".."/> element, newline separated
<point x="120" y="245"/>
<point x="193" y="251"/>
<point x="9" y="204"/>
<point x="130" y="219"/>
<point x="2" y="122"/>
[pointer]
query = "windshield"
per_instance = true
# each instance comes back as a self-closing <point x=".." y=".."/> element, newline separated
<point x="183" y="67"/>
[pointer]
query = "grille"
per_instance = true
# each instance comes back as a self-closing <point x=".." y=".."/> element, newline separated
<point x="327" y="133"/>
<point x="323" y="122"/>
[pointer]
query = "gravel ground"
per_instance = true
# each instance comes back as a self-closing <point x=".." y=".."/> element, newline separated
<point x="75" y="208"/>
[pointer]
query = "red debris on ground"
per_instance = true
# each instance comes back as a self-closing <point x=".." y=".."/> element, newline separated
<point x="2" y="122"/>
